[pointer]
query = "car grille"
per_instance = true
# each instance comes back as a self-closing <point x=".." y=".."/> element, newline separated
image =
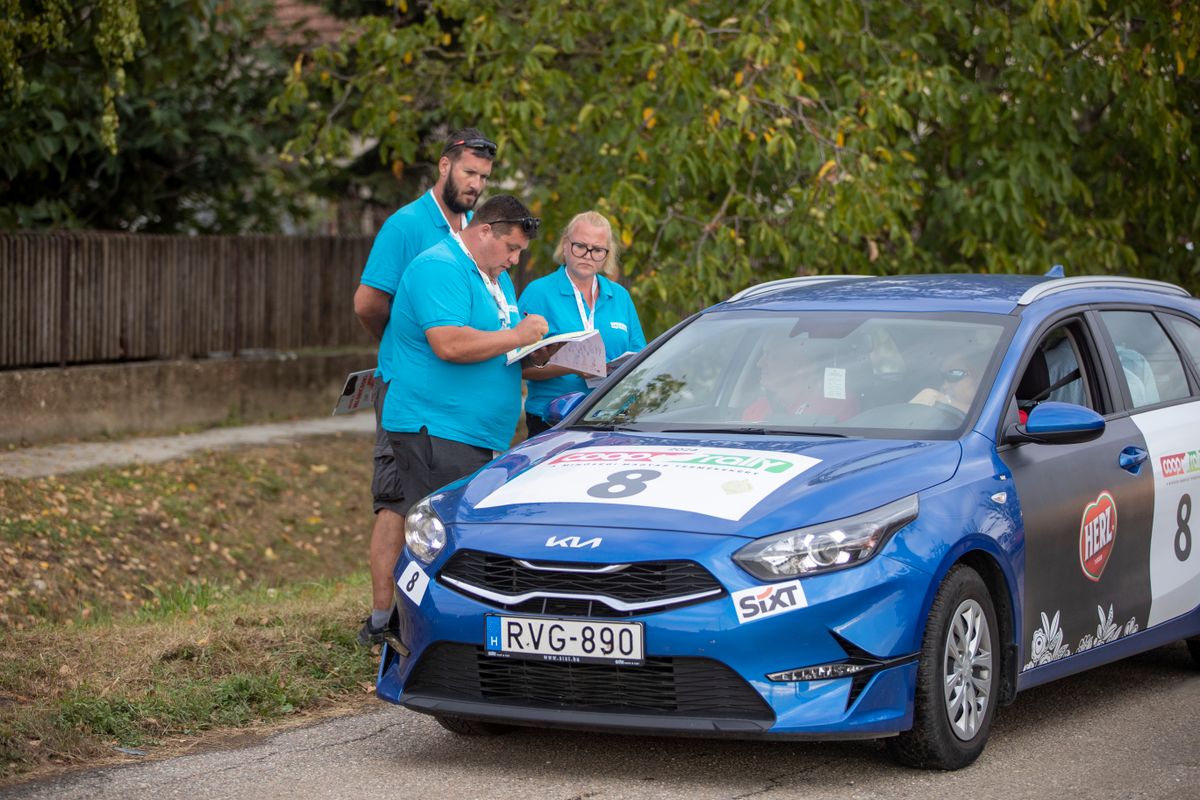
<point x="549" y="587"/>
<point x="684" y="687"/>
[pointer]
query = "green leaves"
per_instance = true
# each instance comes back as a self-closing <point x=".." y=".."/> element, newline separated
<point x="728" y="143"/>
<point x="151" y="121"/>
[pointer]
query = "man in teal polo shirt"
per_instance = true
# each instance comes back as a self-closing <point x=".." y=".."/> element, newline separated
<point x="463" y="170"/>
<point x="454" y="319"/>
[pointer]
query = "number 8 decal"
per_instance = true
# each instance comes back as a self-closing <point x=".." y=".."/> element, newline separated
<point x="1183" y="534"/>
<point x="625" y="483"/>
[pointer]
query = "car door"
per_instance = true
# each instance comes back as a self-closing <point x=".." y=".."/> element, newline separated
<point x="1086" y="508"/>
<point x="1159" y="354"/>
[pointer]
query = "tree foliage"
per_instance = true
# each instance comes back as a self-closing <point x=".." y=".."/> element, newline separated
<point x="736" y="142"/>
<point x="143" y="115"/>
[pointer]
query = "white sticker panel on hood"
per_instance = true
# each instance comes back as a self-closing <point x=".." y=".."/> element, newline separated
<point x="720" y="482"/>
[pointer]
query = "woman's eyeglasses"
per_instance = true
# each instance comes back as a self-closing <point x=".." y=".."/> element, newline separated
<point x="581" y="250"/>
<point x="954" y="375"/>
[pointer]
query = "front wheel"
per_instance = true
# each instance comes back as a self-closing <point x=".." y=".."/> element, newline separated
<point x="473" y="727"/>
<point x="1194" y="648"/>
<point x="957" y="679"/>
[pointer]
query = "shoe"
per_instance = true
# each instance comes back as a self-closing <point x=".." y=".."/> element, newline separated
<point x="368" y="636"/>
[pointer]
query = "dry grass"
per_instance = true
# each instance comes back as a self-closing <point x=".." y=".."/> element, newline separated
<point x="139" y="605"/>
<point x="109" y="541"/>
<point x="72" y="694"/>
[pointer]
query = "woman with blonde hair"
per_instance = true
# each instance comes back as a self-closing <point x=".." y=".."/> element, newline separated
<point x="582" y="294"/>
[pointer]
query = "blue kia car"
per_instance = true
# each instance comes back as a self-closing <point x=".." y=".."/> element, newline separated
<point x="829" y="507"/>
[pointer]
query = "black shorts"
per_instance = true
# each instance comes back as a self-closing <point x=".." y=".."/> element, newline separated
<point x="427" y="463"/>
<point x="535" y="424"/>
<point x="386" y="490"/>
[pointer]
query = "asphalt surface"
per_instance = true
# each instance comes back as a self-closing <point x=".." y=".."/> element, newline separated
<point x="56" y="459"/>
<point x="1122" y="732"/>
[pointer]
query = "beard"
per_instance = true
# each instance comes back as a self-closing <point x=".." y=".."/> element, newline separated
<point x="453" y="197"/>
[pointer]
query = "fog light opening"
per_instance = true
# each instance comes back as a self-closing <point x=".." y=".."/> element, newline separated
<point x="823" y="672"/>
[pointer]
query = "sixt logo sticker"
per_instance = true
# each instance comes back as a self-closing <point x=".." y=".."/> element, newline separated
<point x="767" y="601"/>
<point x="1179" y="464"/>
<point x="1097" y="531"/>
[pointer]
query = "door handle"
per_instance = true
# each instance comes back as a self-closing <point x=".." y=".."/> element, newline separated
<point x="1132" y="458"/>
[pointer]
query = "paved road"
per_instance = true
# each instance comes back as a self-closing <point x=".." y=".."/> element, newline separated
<point x="56" y="459"/>
<point x="1123" y="732"/>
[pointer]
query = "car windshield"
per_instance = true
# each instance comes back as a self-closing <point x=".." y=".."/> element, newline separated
<point x="822" y="373"/>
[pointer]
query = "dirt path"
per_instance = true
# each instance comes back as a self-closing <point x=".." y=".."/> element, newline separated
<point x="57" y="459"/>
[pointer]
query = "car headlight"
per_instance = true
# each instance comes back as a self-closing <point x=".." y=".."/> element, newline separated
<point x="424" y="533"/>
<point x="827" y="546"/>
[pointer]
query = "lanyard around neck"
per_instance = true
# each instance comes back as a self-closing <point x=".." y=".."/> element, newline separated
<point x="587" y="318"/>
<point x="462" y="218"/>
<point x="492" y="286"/>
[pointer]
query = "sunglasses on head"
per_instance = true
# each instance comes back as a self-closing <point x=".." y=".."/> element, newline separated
<point x="481" y="146"/>
<point x="529" y="225"/>
<point x="954" y="375"/>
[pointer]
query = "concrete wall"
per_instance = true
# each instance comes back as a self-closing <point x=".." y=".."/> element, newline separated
<point x="41" y="405"/>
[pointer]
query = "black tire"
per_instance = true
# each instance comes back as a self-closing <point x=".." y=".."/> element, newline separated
<point x="1194" y="648"/>
<point x="473" y="727"/>
<point x="943" y="736"/>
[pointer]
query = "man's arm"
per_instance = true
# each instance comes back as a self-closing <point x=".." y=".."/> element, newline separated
<point x="461" y="344"/>
<point x="532" y="373"/>
<point x="373" y="308"/>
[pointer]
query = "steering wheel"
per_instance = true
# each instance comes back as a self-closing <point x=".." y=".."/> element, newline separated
<point x="956" y="414"/>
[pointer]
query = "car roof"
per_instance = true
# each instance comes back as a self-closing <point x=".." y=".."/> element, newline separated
<point x="995" y="294"/>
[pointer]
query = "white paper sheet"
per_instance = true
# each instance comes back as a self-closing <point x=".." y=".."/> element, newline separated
<point x="356" y="393"/>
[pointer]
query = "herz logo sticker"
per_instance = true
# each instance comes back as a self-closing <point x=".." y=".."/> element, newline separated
<point x="1097" y="531"/>
<point x="767" y="601"/>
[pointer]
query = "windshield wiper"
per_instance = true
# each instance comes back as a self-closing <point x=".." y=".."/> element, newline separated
<point x="754" y="430"/>
<point x="603" y="426"/>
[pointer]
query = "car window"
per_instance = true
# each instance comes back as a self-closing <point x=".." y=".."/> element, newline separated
<point x="1150" y="365"/>
<point x="1187" y="332"/>
<point x="816" y="371"/>
<point x="1056" y="371"/>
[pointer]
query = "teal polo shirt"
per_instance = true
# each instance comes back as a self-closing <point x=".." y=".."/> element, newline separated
<point x="477" y="404"/>
<point x="406" y="234"/>
<point x="554" y="298"/>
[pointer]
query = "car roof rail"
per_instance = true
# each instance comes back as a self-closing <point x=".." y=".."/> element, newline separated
<point x="787" y="283"/>
<point x="1098" y="282"/>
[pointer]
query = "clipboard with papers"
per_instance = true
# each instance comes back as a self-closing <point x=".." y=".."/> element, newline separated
<point x="582" y="351"/>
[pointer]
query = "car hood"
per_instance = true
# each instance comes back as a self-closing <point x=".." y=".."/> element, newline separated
<point x="724" y="485"/>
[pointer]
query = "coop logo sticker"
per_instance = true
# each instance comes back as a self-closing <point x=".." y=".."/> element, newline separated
<point x="766" y="601"/>
<point x="1097" y="532"/>
<point x="1177" y="464"/>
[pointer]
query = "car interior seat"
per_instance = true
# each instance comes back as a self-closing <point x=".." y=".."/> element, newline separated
<point x="1035" y="382"/>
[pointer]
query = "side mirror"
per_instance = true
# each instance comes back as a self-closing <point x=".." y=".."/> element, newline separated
<point x="560" y="407"/>
<point x="1057" y="423"/>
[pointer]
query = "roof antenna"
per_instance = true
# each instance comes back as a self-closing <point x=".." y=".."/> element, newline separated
<point x="1056" y="271"/>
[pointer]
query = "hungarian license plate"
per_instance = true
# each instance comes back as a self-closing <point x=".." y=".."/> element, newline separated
<point x="575" y="641"/>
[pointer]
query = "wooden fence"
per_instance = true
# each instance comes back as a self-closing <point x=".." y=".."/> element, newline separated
<point x="76" y="298"/>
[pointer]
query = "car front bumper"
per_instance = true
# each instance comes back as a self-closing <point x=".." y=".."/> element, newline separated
<point x="705" y="672"/>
